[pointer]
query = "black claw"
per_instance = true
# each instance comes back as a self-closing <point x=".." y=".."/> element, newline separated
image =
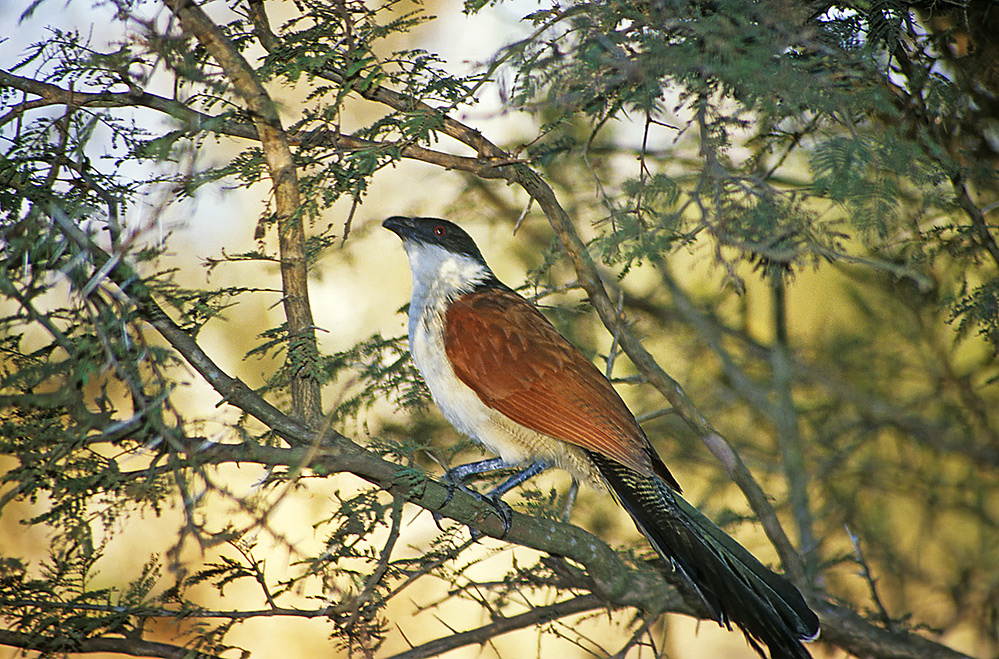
<point x="500" y="508"/>
<point x="451" y="487"/>
<point x="454" y="479"/>
<point x="437" y="520"/>
<point x="504" y="512"/>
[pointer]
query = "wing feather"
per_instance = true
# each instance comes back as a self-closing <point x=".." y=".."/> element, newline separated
<point x="518" y="364"/>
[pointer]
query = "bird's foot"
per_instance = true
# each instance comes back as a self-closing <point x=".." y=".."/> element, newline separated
<point x="455" y="479"/>
<point x="499" y="507"/>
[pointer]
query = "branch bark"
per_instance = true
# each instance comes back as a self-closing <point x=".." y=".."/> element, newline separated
<point x="617" y="325"/>
<point x="130" y="646"/>
<point x="303" y="351"/>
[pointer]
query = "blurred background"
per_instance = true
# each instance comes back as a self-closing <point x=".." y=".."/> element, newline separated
<point x="896" y="408"/>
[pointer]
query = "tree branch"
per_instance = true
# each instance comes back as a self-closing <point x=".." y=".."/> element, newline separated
<point x="978" y="222"/>
<point x="194" y="120"/>
<point x="860" y="637"/>
<point x="303" y="351"/>
<point x="613" y="580"/>
<point x="480" y="635"/>
<point x="55" y="95"/>
<point x="784" y="416"/>
<point x="130" y="646"/>
<point x="334" y="452"/>
<point x="671" y="390"/>
<point x="494" y="162"/>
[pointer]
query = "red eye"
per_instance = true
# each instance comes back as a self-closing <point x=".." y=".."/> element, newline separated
<point x="440" y="230"/>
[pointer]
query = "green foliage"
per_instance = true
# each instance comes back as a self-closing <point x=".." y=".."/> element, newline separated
<point x="60" y="606"/>
<point x="729" y="141"/>
<point x="386" y="370"/>
<point x="979" y="310"/>
<point x="338" y="50"/>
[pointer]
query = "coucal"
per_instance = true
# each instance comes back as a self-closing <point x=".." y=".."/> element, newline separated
<point x="504" y="376"/>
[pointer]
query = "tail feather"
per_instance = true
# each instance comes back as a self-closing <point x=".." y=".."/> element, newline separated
<point x="732" y="584"/>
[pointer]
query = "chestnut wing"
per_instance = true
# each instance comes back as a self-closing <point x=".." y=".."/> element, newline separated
<point x="518" y="364"/>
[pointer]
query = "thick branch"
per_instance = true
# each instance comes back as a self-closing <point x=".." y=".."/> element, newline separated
<point x="589" y="279"/>
<point x="303" y="351"/>
<point x="858" y="636"/>
<point x="130" y="646"/>
<point x="611" y="577"/>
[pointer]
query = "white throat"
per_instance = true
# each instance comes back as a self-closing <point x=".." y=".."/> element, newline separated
<point x="439" y="276"/>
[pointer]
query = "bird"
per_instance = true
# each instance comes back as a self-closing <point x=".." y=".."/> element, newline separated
<point x="504" y="376"/>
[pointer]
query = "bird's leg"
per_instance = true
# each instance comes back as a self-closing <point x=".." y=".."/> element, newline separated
<point x="530" y="471"/>
<point x="570" y="500"/>
<point x="456" y="477"/>
<point x="494" y="495"/>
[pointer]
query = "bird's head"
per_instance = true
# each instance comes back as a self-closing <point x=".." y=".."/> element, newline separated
<point x="441" y="254"/>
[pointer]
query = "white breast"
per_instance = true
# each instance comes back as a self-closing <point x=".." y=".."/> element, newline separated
<point x="461" y="406"/>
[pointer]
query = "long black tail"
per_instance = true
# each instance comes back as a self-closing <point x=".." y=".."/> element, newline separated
<point x="734" y="586"/>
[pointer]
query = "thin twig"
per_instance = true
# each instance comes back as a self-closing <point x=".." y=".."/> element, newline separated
<point x="785" y="419"/>
<point x="483" y="634"/>
<point x="865" y="572"/>
<point x="384" y="560"/>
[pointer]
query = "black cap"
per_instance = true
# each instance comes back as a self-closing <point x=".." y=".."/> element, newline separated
<point x="434" y="231"/>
